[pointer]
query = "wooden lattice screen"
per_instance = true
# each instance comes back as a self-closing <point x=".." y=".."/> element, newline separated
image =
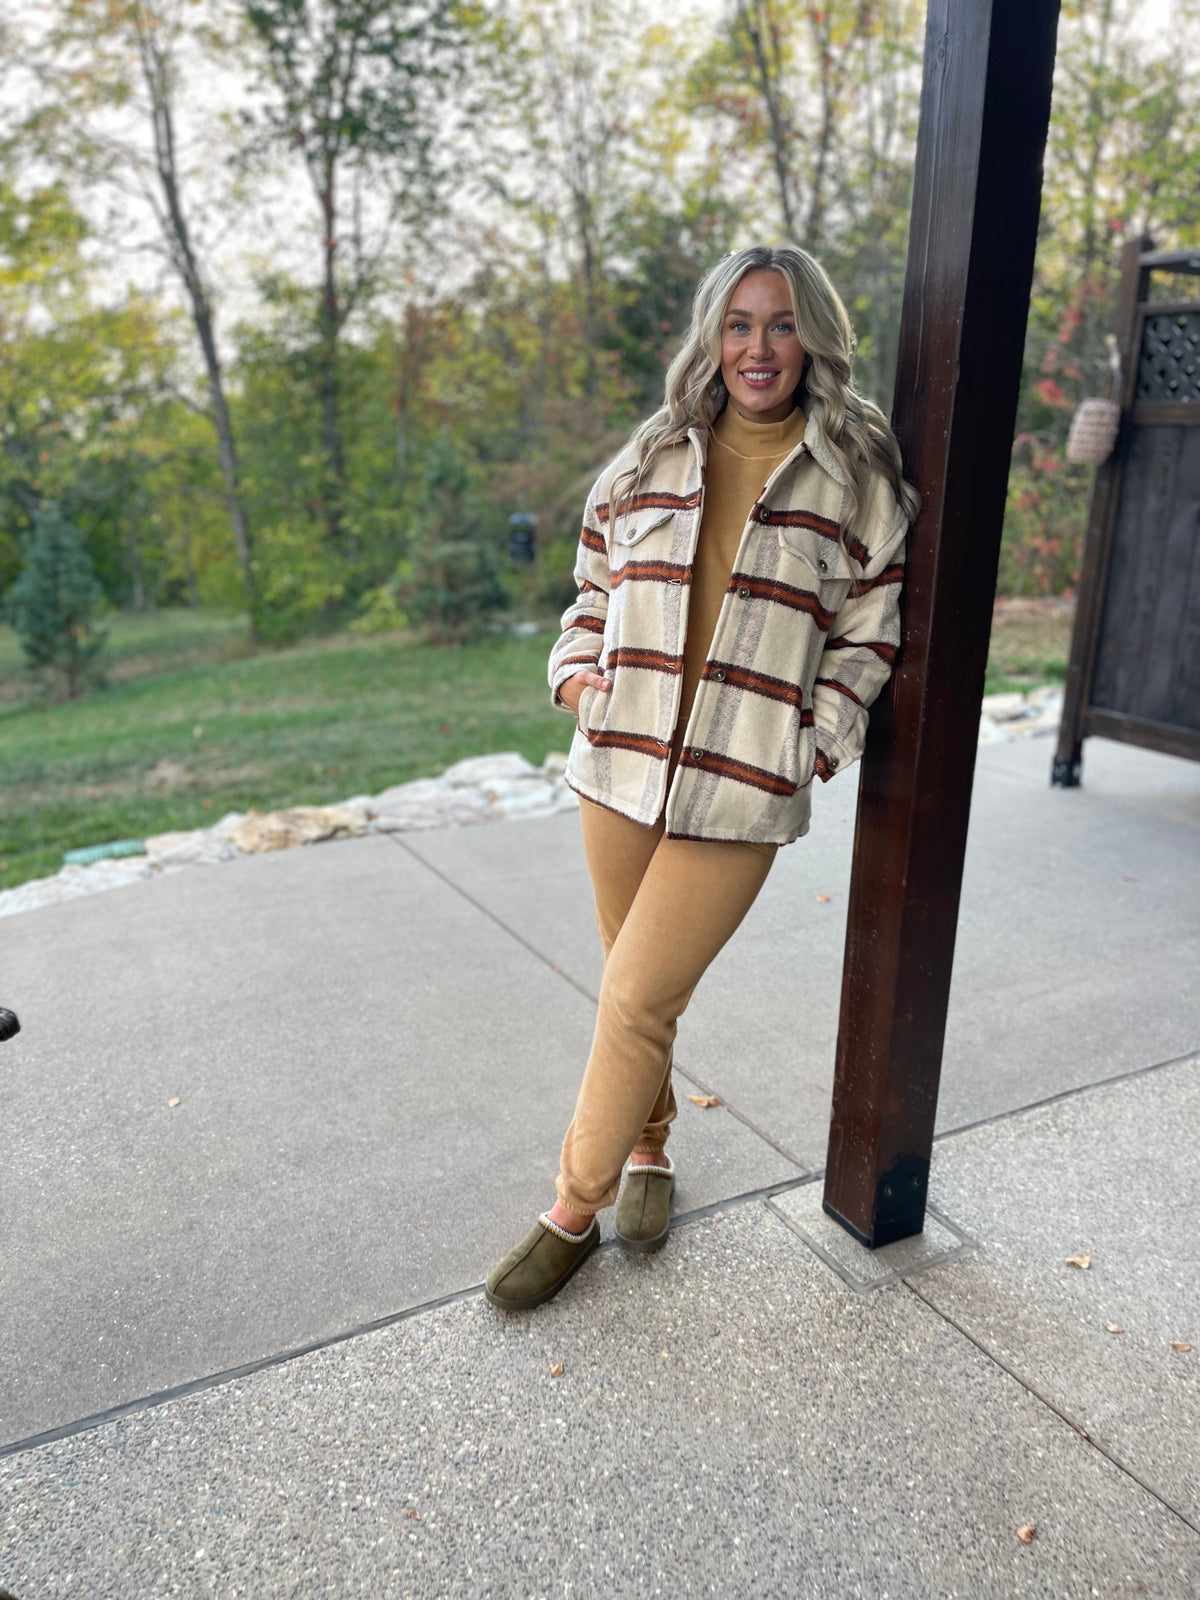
<point x="1135" y="653"/>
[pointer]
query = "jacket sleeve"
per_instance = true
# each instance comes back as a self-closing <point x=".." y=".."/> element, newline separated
<point x="860" y="650"/>
<point x="582" y="638"/>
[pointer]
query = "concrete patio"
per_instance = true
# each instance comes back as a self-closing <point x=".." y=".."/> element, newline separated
<point x="243" y="1349"/>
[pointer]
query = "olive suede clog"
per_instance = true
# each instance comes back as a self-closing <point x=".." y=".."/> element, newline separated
<point x="643" y="1217"/>
<point x="538" y="1267"/>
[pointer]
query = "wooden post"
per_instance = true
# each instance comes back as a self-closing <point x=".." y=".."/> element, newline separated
<point x="985" y="106"/>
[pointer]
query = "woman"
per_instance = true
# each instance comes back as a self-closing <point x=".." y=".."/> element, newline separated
<point x="738" y="573"/>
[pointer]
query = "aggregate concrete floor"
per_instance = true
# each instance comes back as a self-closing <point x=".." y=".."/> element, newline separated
<point x="365" y="1036"/>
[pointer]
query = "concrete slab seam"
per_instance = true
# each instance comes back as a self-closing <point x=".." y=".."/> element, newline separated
<point x="579" y="988"/>
<point x="937" y="1258"/>
<point x="1189" y="1058"/>
<point x="215" y="1380"/>
<point x="1052" y="1405"/>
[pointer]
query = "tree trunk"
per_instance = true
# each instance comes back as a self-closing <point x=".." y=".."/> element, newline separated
<point x="136" y="580"/>
<point x="780" y="139"/>
<point x="157" y="78"/>
<point x="329" y="318"/>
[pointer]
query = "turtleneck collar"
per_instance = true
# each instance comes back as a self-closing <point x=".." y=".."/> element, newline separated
<point x="755" y="440"/>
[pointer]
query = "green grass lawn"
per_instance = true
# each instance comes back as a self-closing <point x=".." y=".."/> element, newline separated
<point x="176" y="745"/>
<point x="195" y="723"/>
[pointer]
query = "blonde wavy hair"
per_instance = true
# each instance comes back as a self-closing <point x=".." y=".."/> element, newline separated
<point x="855" y="430"/>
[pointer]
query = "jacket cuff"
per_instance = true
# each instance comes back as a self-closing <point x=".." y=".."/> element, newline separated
<point x="831" y="757"/>
<point x="560" y="676"/>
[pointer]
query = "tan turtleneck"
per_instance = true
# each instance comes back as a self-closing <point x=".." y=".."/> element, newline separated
<point x="742" y="455"/>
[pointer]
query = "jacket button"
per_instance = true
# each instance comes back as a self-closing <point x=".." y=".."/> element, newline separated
<point x="675" y="583"/>
<point x="697" y="754"/>
<point x="831" y="763"/>
<point x="743" y="593"/>
<point x="719" y="675"/>
<point x="764" y="513"/>
<point x="823" y="564"/>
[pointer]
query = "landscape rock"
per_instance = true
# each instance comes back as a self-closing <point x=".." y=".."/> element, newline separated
<point x="194" y="847"/>
<point x="478" y="770"/>
<point x="1004" y="707"/>
<point x="298" y="825"/>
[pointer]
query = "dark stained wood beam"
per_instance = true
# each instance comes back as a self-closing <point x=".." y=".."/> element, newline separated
<point x="985" y="106"/>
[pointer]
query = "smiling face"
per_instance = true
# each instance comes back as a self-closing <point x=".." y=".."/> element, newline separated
<point x="762" y="359"/>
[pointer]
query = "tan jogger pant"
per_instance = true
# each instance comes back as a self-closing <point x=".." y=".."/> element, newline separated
<point x="665" y="908"/>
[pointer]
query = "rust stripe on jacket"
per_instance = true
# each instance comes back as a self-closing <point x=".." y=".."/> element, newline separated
<point x="591" y="540"/>
<point x="894" y="574"/>
<point x="616" y="739"/>
<point x="759" y="683"/>
<point x="588" y="624"/>
<point x="885" y="652"/>
<point x="647" y="660"/>
<point x="832" y="683"/>
<point x="650" y="502"/>
<point x="783" y="594"/>
<point x="588" y="587"/>
<point x="775" y="517"/>
<point x="740" y="771"/>
<point x="652" y="572"/>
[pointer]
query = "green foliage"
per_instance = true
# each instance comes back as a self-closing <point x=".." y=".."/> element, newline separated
<point x="450" y="578"/>
<point x="515" y="322"/>
<point x="56" y="603"/>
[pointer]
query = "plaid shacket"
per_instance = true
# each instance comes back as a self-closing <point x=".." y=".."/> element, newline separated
<point x="806" y="638"/>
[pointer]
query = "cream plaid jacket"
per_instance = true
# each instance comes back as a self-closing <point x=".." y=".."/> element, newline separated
<point x="805" y="640"/>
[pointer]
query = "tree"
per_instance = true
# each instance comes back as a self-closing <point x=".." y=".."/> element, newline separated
<point x="361" y="90"/>
<point x="55" y="604"/>
<point x="824" y="98"/>
<point x="100" y="61"/>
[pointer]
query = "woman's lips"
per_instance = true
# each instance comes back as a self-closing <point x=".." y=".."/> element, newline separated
<point x="758" y="378"/>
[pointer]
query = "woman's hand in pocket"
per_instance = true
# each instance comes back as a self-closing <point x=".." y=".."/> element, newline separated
<point x="571" y="691"/>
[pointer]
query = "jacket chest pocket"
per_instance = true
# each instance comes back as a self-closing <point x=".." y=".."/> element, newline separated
<point x="826" y="561"/>
<point x="633" y="526"/>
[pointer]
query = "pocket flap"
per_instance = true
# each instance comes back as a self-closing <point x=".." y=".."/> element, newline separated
<point x="825" y="556"/>
<point x="637" y="524"/>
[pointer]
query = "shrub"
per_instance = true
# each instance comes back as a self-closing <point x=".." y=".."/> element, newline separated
<point x="56" y="603"/>
<point x="451" y="576"/>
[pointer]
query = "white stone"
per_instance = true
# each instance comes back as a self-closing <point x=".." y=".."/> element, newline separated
<point x="989" y="732"/>
<point x="454" y="813"/>
<point x="364" y="804"/>
<point x="425" y="790"/>
<point x="526" y="802"/>
<point x="489" y="769"/>
<point x="555" y="764"/>
<point x="1004" y="707"/>
<point x="1047" y="698"/>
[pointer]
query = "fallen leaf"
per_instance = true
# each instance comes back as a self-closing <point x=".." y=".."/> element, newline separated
<point x="1082" y="1262"/>
<point x="1026" y="1532"/>
<point x="206" y="805"/>
<point x="1180" y="1344"/>
<point x="704" y="1099"/>
<point x="1082" y="1432"/>
<point x="415" y="1515"/>
<point x="174" y="1102"/>
<point x="821" y="899"/>
<point x="1113" y="1327"/>
<point x="556" y="1371"/>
